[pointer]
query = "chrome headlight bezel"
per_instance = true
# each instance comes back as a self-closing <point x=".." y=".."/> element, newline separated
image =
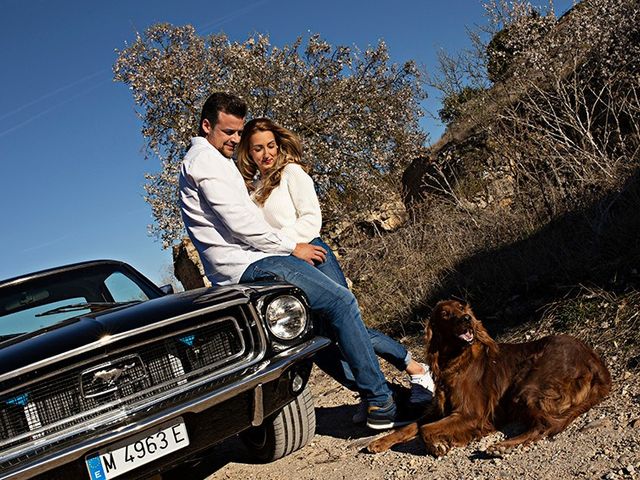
<point x="286" y="317"/>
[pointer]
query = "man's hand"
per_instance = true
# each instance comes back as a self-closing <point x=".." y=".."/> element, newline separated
<point x="309" y="253"/>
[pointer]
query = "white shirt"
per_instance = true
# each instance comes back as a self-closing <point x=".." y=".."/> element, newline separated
<point x="293" y="207"/>
<point x="222" y="221"/>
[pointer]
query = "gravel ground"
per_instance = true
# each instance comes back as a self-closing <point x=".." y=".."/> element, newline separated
<point x="604" y="443"/>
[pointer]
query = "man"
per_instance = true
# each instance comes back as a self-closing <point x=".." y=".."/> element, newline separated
<point x="236" y="245"/>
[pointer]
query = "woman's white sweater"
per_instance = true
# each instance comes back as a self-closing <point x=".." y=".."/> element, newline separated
<point x="293" y="207"/>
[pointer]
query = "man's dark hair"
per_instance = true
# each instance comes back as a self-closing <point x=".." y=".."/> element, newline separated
<point x="221" y="102"/>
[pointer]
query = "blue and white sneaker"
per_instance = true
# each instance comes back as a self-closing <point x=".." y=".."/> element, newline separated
<point x="386" y="416"/>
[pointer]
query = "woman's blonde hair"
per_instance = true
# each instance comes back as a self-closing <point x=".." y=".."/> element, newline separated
<point x="289" y="151"/>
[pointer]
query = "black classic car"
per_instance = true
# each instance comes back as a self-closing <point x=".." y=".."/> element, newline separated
<point x="104" y="375"/>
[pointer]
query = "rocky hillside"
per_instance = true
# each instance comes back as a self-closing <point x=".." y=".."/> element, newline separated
<point x="531" y="195"/>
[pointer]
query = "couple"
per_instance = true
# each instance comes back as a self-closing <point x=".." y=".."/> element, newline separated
<point x="274" y="233"/>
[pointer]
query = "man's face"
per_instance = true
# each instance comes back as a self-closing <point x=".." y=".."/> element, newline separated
<point x="225" y="135"/>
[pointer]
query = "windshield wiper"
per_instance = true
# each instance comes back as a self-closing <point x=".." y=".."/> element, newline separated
<point x="93" y="306"/>
<point x="10" y="335"/>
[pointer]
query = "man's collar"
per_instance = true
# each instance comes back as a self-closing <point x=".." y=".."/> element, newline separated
<point x="201" y="141"/>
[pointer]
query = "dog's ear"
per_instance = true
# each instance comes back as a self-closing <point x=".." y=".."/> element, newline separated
<point x="440" y="312"/>
<point x="428" y="333"/>
<point x="431" y="333"/>
<point x="483" y="337"/>
<point x="432" y="346"/>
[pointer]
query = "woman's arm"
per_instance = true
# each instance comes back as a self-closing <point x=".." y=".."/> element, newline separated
<point x="305" y="200"/>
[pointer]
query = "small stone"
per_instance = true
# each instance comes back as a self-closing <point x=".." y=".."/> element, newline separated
<point x="601" y="422"/>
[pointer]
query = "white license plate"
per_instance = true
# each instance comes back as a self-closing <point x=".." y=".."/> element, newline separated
<point x="132" y="453"/>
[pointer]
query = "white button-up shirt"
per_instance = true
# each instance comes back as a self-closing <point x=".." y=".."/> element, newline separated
<point x="223" y="223"/>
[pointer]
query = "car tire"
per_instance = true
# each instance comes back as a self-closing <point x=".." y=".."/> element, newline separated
<point x="289" y="430"/>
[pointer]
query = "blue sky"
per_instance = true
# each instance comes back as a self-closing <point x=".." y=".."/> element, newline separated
<point x="71" y="152"/>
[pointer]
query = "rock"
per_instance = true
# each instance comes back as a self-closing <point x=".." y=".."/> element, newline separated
<point x="187" y="266"/>
<point x="601" y="422"/>
<point x="389" y="217"/>
<point x="635" y="423"/>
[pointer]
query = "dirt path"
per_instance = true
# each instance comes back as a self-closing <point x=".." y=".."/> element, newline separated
<point x="602" y="444"/>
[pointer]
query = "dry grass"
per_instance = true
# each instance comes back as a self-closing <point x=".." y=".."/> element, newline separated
<point x="607" y="321"/>
<point x="494" y="257"/>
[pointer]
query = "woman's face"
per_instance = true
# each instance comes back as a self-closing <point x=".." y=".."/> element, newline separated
<point x="263" y="150"/>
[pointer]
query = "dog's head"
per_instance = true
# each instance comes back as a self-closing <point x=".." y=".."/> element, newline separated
<point x="454" y="321"/>
<point x="453" y="326"/>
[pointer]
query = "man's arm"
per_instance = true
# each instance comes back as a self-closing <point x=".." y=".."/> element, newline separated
<point x="243" y="219"/>
<point x="243" y="222"/>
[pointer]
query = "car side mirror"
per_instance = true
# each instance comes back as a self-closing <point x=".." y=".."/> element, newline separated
<point x="167" y="289"/>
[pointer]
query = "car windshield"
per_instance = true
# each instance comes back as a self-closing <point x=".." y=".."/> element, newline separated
<point x="46" y="300"/>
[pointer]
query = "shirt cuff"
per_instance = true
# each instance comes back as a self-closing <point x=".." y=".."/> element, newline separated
<point x="288" y="244"/>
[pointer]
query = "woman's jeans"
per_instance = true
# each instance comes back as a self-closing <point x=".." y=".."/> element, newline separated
<point x="340" y="316"/>
<point x="384" y="346"/>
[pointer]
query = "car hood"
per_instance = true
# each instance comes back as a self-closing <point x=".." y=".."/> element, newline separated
<point x="89" y="328"/>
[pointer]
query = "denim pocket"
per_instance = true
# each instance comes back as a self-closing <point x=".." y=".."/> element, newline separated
<point x="259" y="274"/>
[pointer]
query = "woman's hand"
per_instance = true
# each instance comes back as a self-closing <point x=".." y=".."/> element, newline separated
<point x="309" y="253"/>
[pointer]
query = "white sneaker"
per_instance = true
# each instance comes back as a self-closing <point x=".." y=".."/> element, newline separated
<point x="422" y="387"/>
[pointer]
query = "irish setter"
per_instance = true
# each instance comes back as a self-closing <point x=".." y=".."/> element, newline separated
<point x="480" y="384"/>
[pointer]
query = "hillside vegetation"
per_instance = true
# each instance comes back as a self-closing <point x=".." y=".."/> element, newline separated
<point x="528" y="205"/>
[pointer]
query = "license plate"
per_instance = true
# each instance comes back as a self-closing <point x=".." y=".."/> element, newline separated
<point x="132" y="453"/>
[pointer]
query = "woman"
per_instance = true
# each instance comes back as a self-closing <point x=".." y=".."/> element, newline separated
<point x="270" y="160"/>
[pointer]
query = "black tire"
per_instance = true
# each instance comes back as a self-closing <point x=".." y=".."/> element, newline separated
<point x="291" y="429"/>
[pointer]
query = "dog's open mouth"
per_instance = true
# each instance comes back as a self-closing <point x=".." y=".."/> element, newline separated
<point x="467" y="336"/>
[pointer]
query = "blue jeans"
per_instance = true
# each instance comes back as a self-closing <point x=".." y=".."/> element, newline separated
<point x="384" y="346"/>
<point x="340" y="314"/>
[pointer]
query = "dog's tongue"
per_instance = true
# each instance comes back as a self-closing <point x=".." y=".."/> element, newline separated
<point x="467" y="336"/>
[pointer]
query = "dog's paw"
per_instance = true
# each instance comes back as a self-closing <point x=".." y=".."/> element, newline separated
<point x="377" y="446"/>
<point x="437" y="449"/>
<point x="497" y="450"/>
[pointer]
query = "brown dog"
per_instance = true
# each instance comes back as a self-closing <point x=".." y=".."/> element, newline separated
<point x="544" y="384"/>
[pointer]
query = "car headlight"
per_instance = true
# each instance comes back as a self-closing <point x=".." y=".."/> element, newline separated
<point x="286" y="317"/>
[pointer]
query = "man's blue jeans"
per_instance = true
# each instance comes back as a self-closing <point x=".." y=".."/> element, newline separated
<point x="384" y="346"/>
<point x="339" y="311"/>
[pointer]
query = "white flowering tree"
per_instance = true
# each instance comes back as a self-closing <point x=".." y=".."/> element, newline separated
<point x="356" y="112"/>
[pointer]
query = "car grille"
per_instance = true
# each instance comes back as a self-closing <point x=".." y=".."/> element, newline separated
<point x="102" y="391"/>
